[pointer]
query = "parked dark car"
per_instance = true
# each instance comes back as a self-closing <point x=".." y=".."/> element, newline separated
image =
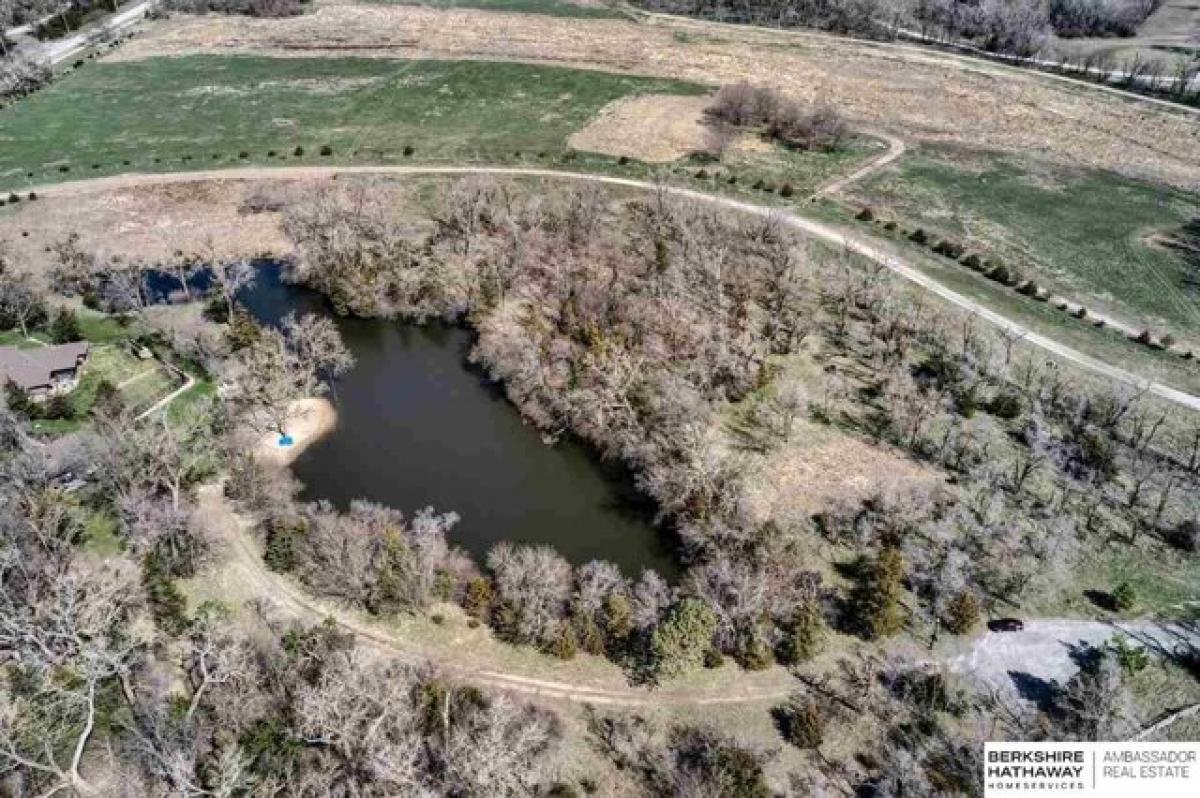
<point x="1006" y="625"/>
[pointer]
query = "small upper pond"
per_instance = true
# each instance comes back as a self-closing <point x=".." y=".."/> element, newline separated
<point x="417" y="427"/>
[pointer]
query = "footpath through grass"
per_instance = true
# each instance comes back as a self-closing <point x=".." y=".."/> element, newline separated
<point x="1085" y="233"/>
<point x="197" y="112"/>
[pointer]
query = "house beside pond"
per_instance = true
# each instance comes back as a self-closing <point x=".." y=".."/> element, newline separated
<point x="43" y="371"/>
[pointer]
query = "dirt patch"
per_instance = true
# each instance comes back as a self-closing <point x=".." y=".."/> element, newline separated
<point x="222" y="218"/>
<point x="655" y="128"/>
<point x="921" y="95"/>
<point x="309" y="420"/>
<point x="147" y="223"/>
<point x="825" y="469"/>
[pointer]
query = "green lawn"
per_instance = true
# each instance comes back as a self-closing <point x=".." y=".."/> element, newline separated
<point x="1082" y="232"/>
<point x="779" y="166"/>
<point x="100" y="328"/>
<point x="15" y="338"/>
<point x="553" y="8"/>
<point x="165" y="114"/>
<point x="1104" y="343"/>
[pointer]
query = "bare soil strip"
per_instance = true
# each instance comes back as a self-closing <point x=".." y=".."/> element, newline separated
<point x="818" y="230"/>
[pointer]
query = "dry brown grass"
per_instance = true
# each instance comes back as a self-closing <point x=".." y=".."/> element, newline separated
<point x="916" y="93"/>
<point x="822" y="468"/>
<point x="152" y="223"/>
<point x="654" y="128"/>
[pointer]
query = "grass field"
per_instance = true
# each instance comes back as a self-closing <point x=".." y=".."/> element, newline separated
<point x="1084" y="233"/>
<point x="778" y="166"/>
<point x="1104" y="343"/>
<point x="15" y="338"/>
<point x="197" y="112"/>
<point x="553" y="8"/>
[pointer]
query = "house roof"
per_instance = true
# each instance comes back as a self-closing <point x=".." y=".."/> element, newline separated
<point x="32" y="368"/>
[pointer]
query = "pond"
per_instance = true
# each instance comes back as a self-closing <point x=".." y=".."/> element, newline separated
<point x="417" y="427"/>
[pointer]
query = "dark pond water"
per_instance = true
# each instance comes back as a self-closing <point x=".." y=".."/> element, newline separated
<point x="418" y="427"/>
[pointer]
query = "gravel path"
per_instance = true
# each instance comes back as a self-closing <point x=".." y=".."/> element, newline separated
<point x="1047" y="651"/>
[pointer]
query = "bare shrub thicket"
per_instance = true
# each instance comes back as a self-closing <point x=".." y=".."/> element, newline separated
<point x="1071" y="18"/>
<point x="819" y="127"/>
<point x="1018" y="27"/>
<point x="680" y="760"/>
<point x="21" y="75"/>
<point x="370" y="556"/>
<point x="355" y="250"/>
<point x="1021" y="27"/>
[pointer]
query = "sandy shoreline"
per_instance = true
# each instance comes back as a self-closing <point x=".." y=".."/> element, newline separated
<point x="308" y="421"/>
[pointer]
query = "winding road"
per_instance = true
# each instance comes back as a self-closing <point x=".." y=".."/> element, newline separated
<point x="1021" y="665"/>
<point x="56" y="51"/>
<point x="243" y="572"/>
<point x="860" y="245"/>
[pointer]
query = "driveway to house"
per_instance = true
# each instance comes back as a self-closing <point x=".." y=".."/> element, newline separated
<point x="1048" y="652"/>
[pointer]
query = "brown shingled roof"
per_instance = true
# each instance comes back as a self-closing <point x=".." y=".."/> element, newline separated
<point x="32" y="368"/>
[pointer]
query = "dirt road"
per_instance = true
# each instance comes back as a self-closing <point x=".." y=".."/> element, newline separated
<point x="1028" y="663"/>
<point x="818" y="230"/>
<point x="243" y="574"/>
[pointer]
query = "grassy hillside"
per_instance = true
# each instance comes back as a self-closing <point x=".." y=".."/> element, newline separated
<point x="198" y="111"/>
<point x="1089" y="234"/>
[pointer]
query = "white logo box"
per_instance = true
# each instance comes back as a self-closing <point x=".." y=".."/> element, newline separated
<point x="1094" y="770"/>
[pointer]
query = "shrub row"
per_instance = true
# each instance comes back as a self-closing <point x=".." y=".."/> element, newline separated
<point x="325" y="151"/>
<point x="995" y="269"/>
<point x="13" y="198"/>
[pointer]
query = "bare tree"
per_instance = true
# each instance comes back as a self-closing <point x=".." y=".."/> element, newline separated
<point x="362" y="717"/>
<point x="69" y="623"/>
<point x="533" y="584"/>
<point x="283" y="366"/>
<point x="21" y="303"/>
<point x="155" y="524"/>
<point x="231" y="279"/>
<point x="500" y="748"/>
<point x="8" y="10"/>
<point x="652" y="597"/>
<point x="74" y="273"/>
